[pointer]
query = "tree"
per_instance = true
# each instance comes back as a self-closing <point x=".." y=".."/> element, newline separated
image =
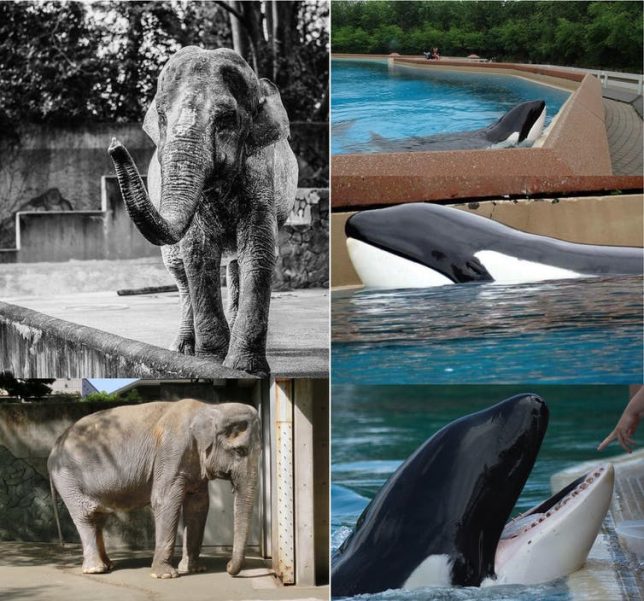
<point x="24" y="388"/>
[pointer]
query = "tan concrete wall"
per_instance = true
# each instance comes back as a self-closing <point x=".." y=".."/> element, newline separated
<point x="614" y="220"/>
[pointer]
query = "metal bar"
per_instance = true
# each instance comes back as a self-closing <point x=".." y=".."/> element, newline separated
<point x="283" y="507"/>
<point x="263" y="404"/>
<point x="304" y="483"/>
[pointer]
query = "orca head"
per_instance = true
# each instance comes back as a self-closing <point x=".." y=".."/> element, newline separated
<point x="413" y="245"/>
<point x="523" y="122"/>
<point x="554" y="538"/>
<point x="439" y="517"/>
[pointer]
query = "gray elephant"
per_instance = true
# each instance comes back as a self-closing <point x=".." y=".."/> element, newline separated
<point x="161" y="454"/>
<point x="222" y="180"/>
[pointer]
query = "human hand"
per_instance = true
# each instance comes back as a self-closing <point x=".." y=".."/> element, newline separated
<point x="623" y="432"/>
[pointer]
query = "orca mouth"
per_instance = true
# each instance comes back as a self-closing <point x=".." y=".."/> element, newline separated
<point x="401" y="244"/>
<point x="554" y="538"/>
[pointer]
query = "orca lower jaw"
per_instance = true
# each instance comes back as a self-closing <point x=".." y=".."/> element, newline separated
<point x="554" y="538"/>
<point x="380" y="268"/>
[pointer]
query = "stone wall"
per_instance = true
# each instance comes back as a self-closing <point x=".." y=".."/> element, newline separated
<point x="303" y="260"/>
<point x="27" y="434"/>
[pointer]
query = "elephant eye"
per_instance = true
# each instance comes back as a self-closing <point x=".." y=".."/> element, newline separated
<point x="227" y="120"/>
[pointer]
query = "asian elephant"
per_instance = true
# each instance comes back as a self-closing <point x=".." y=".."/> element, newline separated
<point x="222" y="180"/>
<point x="161" y="454"/>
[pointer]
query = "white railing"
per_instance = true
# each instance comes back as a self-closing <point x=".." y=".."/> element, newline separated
<point x="632" y="82"/>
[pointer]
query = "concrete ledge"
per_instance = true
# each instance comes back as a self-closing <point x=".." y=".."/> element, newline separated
<point x="574" y="158"/>
<point x="34" y="345"/>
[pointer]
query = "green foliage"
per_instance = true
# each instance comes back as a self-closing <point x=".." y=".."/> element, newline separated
<point x="79" y="62"/>
<point x="131" y="396"/>
<point x="584" y="34"/>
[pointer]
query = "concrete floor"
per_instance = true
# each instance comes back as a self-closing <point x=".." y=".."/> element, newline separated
<point x="298" y="331"/>
<point x="45" y="572"/>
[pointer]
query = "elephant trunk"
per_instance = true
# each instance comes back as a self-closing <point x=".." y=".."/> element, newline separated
<point x="183" y="179"/>
<point x="245" y="491"/>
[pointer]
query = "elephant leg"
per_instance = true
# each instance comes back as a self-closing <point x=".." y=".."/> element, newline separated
<point x="256" y="258"/>
<point x="166" y="506"/>
<point x="185" y="340"/>
<point x="232" y="282"/>
<point x="89" y="524"/>
<point x="202" y="260"/>
<point x="195" y="512"/>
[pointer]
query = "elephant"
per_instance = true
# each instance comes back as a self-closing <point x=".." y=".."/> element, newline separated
<point x="222" y="180"/>
<point x="161" y="454"/>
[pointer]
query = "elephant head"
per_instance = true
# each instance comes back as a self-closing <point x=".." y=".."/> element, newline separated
<point x="227" y="439"/>
<point x="210" y="112"/>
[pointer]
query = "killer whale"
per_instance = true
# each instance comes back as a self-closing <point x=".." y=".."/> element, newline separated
<point x="421" y="244"/>
<point x="440" y="519"/>
<point x="521" y="124"/>
<point x="445" y="508"/>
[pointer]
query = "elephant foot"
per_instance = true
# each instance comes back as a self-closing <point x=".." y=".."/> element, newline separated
<point x="185" y="346"/>
<point x="96" y="567"/>
<point x="252" y="364"/>
<point x="190" y="566"/>
<point x="163" y="570"/>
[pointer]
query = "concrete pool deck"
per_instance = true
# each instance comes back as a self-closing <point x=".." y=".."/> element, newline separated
<point x="611" y="571"/>
<point x="575" y="157"/>
<point x="46" y="572"/>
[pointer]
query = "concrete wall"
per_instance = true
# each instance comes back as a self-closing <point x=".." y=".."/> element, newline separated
<point x="34" y="345"/>
<point x="73" y="160"/>
<point x="27" y="434"/>
<point x="110" y="234"/>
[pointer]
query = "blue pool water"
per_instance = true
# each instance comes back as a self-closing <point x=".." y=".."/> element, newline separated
<point x="375" y="428"/>
<point x="369" y="100"/>
<point x="566" y="331"/>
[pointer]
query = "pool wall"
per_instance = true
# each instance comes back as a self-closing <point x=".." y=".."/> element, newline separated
<point x="574" y="157"/>
<point x="616" y="220"/>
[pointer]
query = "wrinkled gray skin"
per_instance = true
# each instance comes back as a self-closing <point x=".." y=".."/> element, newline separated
<point x="221" y="182"/>
<point x="163" y="455"/>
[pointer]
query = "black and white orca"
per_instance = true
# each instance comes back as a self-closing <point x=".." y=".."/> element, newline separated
<point x="440" y="519"/>
<point x="522" y="124"/>
<point x="419" y="245"/>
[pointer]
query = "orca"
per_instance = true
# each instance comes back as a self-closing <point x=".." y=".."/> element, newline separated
<point x="523" y="124"/>
<point x="418" y="245"/>
<point x="440" y="519"/>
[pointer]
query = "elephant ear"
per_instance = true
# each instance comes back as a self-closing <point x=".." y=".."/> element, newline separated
<point x="151" y="122"/>
<point x="237" y="432"/>
<point x="271" y="122"/>
<point x="203" y="428"/>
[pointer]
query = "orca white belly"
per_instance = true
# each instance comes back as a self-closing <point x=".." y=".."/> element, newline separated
<point x="506" y="269"/>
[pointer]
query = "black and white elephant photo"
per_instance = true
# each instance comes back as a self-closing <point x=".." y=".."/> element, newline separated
<point x="161" y="454"/>
<point x="222" y="180"/>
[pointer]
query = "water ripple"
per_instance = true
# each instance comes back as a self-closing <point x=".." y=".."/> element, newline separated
<point x="579" y="330"/>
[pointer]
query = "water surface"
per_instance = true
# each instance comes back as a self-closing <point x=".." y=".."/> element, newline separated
<point x="565" y="331"/>
<point x="369" y="101"/>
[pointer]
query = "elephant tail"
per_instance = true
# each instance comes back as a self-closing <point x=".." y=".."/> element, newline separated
<point x="56" y="516"/>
